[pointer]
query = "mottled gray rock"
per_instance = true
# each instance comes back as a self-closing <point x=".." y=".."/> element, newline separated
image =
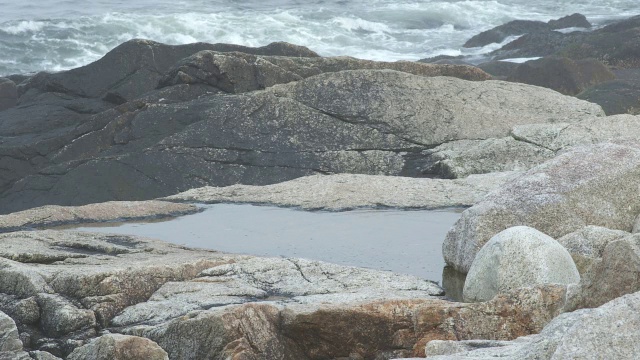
<point x="590" y="185"/>
<point x="349" y="191"/>
<point x="458" y="159"/>
<point x="428" y="103"/>
<point x="588" y="131"/>
<point x="60" y="317"/>
<point x="97" y="274"/>
<point x="616" y="273"/>
<point x="9" y="340"/>
<point x="42" y="355"/>
<point x="607" y="332"/>
<point x="8" y="94"/>
<point x="283" y="280"/>
<point x="636" y="226"/>
<point x="49" y="216"/>
<point x="119" y="347"/>
<point x="364" y="121"/>
<point x="586" y="245"/>
<point x="515" y="258"/>
<point x="325" y="327"/>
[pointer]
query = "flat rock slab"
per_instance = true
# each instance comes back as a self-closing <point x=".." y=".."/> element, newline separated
<point x="53" y="215"/>
<point x="349" y="191"/>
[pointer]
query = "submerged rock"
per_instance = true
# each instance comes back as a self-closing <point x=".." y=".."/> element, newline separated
<point x="349" y="191"/>
<point x="585" y="185"/>
<point x="515" y="258"/>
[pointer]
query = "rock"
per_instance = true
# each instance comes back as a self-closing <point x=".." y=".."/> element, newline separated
<point x="614" y="275"/>
<point x="349" y="191"/>
<point x="60" y="317"/>
<point x="636" y="226"/>
<point x="500" y="33"/>
<point x="49" y="216"/>
<point x="616" y="96"/>
<point x="570" y="21"/>
<point x="586" y="245"/>
<point x="9" y="340"/>
<point x="8" y="94"/>
<point x="500" y="70"/>
<point x="329" y="123"/>
<point x="450" y="347"/>
<point x="119" y="347"/>
<point x="615" y="45"/>
<point x="585" y="185"/>
<point x="458" y="159"/>
<point x="99" y="272"/>
<point x="521" y="27"/>
<point x="42" y="355"/>
<point x="607" y="332"/>
<point x="239" y="72"/>
<point x="135" y="67"/>
<point x="515" y="258"/>
<point x="539" y="44"/>
<point x="320" y="327"/>
<point x="560" y="136"/>
<point x="564" y="75"/>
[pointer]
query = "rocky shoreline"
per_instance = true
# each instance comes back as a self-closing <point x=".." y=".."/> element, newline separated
<point x="549" y="242"/>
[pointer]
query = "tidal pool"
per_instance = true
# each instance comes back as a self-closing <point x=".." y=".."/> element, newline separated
<point x="401" y="241"/>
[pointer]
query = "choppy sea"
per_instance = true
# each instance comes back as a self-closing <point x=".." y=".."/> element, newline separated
<point x="55" y="35"/>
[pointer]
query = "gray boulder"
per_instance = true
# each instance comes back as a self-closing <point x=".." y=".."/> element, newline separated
<point x="607" y="332"/>
<point x="518" y="257"/>
<point x="119" y="347"/>
<point x="590" y="185"/>
<point x="60" y="317"/>
<point x="587" y="245"/>
<point x="9" y="340"/>
<point x="615" y="273"/>
<point x="8" y="94"/>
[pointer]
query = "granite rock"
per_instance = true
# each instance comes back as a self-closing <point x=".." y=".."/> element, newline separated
<point x="348" y="191"/>
<point x="588" y="185"/>
<point x="515" y="258"/>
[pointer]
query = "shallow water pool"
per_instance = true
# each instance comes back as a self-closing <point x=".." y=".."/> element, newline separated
<point x="407" y="242"/>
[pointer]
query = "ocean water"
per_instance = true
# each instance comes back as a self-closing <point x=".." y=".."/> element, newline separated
<point x="55" y="35"/>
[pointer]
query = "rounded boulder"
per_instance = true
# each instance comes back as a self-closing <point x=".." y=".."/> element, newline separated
<point x="518" y="257"/>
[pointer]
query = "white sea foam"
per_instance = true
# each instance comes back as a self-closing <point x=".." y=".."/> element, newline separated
<point x="74" y="33"/>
